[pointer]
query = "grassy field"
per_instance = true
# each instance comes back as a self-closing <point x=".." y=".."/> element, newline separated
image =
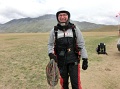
<point x="23" y="59"/>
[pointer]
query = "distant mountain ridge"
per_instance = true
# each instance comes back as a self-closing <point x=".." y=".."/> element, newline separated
<point x="40" y="24"/>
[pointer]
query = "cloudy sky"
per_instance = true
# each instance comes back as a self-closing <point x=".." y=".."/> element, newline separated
<point x="95" y="11"/>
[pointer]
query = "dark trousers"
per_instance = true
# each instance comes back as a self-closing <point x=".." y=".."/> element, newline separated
<point x="73" y="71"/>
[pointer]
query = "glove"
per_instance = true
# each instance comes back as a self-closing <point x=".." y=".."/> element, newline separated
<point x="84" y="63"/>
<point x="52" y="56"/>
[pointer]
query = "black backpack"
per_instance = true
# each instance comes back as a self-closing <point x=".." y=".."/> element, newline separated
<point x="101" y="49"/>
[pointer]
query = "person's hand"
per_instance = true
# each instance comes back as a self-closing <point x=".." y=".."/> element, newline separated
<point x="52" y="56"/>
<point x="85" y="63"/>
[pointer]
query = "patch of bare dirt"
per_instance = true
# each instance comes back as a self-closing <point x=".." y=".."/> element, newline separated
<point x="104" y="74"/>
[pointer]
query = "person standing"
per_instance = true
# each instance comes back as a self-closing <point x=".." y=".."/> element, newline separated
<point x="66" y="46"/>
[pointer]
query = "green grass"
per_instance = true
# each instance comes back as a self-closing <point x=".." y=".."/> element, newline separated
<point x="92" y="43"/>
<point x="22" y="61"/>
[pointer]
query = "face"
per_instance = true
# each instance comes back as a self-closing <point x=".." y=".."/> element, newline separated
<point x="62" y="17"/>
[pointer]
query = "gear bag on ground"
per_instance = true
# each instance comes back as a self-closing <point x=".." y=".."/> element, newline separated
<point x="101" y="49"/>
<point x="118" y="44"/>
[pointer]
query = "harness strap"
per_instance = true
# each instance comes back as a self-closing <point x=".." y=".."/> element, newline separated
<point x="56" y="36"/>
<point x="74" y="35"/>
<point x="55" y="31"/>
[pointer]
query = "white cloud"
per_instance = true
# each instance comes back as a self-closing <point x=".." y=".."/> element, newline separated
<point x="102" y="11"/>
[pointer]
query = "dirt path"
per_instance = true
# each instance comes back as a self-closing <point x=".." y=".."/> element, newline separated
<point x="104" y="74"/>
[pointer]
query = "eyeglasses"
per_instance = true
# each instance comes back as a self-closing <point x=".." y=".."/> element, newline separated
<point x="62" y="14"/>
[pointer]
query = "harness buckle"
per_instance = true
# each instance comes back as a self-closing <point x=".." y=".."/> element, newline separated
<point x="75" y="63"/>
<point x="69" y="49"/>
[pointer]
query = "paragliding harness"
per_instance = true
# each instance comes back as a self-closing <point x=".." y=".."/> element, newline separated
<point x="101" y="49"/>
<point x="77" y="49"/>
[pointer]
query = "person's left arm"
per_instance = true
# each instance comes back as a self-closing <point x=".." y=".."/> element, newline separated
<point x="81" y="44"/>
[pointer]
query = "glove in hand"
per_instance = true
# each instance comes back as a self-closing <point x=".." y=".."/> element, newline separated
<point x="84" y="63"/>
<point x="52" y="56"/>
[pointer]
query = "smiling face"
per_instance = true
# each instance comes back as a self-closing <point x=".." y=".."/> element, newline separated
<point x="63" y="17"/>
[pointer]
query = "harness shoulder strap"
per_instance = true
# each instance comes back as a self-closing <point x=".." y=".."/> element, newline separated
<point x="77" y="49"/>
<point x="56" y="32"/>
<point x="73" y="30"/>
<point x="56" y="36"/>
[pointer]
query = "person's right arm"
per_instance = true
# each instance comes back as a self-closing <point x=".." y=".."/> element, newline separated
<point x="51" y="42"/>
<point x="51" y="46"/>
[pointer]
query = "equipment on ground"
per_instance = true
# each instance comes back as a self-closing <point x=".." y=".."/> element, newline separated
<point x="101" y="49"/>
<point x="118" y="44"/>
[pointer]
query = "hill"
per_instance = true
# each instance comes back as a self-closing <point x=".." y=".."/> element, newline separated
<point x="106" y="28"/>
<point x="41" y="24"/>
